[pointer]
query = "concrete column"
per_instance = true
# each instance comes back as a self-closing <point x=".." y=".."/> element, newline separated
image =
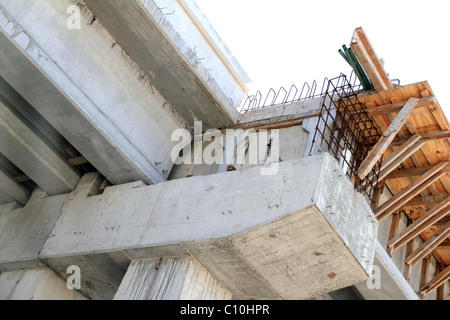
<point x="35" y="284"/>
<point x="175" y="278"/>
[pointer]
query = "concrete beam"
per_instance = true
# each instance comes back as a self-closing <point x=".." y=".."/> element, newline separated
<point x="25" y="230"/>
<point x="106" y="107"/>
<point x="10" y="190"/>
<point x="320" y="237"/>
<point x="389" y="282"/>
<point x="33" y="117"/>
<point x="174" y="51"/>
<point x="25" y="147"/>
<point x="281" y="115"/>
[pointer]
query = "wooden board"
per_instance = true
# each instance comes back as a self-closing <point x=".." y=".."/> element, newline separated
<point x="425" y="119"/>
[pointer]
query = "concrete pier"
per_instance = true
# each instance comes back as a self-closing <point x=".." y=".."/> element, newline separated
<point x="179" y="278"/>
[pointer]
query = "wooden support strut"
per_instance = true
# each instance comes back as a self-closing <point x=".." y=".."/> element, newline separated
<point x="396" y="107"/>
<point x="400" y="155"/>
<point x="428" y="200"/>
<point x="428" y="246"/>
<point x="388" y="136"/>
<point x="437" y="281"/>
<point x="398" y="200"/>
<point x="403" y="173"/>
<point x="420" y="225"/>
<point x="430" y="136"/>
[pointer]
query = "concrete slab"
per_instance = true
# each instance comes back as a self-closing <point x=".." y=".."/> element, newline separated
<point x="174" y="51"/>
<point x="107" y="108"/>
<point x="279" y="113"/>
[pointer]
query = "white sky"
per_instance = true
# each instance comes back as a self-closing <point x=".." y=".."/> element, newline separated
<point x="285" y="42"/>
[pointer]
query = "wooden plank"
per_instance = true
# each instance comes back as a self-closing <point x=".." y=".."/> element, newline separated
<point x="369" y="61"/>
<point x="437" y="281"/>
<point x="22" y="178"/>
<point x="398" y="200"/>
<point x="396" y="107"/>
<point x="387" y="138"/>
<point x="430" y="136"/>
<point x="427" y="200"/>
<point x="428" y="246"/>
<point x="400" y="158"/>
<point x="397" y="153"/>
<point x="424" y="271"/>
<point x="440" y="292"/>
<point x="393" y="230"/>
<point x="403" y="173"/>
<point x="407" y="268"/>
<point x="77" y="161"/>
<point x="420" y="225"/>
<point x="445" y="245"/>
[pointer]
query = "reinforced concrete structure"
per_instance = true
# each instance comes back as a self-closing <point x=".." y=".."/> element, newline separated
<point x="300" y="194"/>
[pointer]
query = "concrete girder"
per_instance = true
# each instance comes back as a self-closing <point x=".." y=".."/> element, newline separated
<point x="321" y="237"/>
<point x="24" y="147"/>
<point x="32" y="116"/>
<point x="173" y="52"/>
<point x="88" y="89"/>
<point x="10" y="190"/>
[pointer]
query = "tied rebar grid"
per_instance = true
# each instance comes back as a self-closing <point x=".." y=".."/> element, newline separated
<point x="345" y="130"/>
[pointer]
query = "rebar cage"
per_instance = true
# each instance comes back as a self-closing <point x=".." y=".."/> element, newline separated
<point x="345" y="130"/>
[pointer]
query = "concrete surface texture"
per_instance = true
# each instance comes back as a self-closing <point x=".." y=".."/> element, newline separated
<point x="171" y="49"/>
<point x="35" y="284"/>
<point x="98" y="89"/>
<point x="100" y="233"/>
<point x="179" y="278"/>
<point x="115" y="90"/>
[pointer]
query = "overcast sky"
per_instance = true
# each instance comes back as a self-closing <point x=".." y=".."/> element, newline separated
<point x="285" y="42"/>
